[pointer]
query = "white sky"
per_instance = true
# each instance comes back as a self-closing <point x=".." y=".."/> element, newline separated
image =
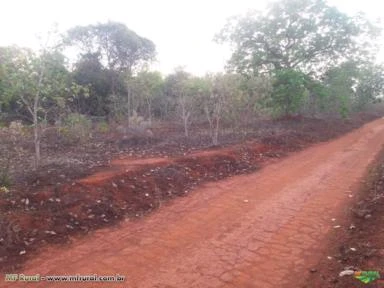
<point x="181" y="29"/>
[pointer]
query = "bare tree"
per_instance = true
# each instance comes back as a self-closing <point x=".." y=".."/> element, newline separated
<point x="177" y="86"/>
<point x="224" y="88"/>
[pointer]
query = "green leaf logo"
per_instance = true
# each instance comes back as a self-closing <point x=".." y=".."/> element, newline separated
<point x="367" y="276"/>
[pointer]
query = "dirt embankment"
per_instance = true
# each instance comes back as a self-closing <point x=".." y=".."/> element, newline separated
<point x="129" y="188"/>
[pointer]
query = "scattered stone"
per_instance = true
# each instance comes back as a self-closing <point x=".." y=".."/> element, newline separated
<point x="346" y="273"/>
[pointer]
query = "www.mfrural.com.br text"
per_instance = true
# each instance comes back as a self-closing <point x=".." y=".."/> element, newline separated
<point x="64" y="278"/>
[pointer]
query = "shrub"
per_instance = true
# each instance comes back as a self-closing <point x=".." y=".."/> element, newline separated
<point x="5" y="178"/>
<point x="76" y="127"/>
<point x="103" y="127"/>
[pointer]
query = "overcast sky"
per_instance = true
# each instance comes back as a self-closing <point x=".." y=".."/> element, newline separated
<point x="181" y="29"/>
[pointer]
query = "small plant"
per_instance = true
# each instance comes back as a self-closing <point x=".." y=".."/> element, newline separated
<point x="103" y="127"/>
<point x="4" y="189"/>
<point x="5" y="178"/>
<point x="77" y="126"/>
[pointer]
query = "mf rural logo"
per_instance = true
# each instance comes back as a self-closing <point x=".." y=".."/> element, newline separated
<point x="364" y="276"/>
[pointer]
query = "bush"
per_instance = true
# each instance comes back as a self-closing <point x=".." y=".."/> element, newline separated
<point x="103" y="127"/>
<point x="76" y="127"/>
<point x="9" y="137"/>
<point x="5" y="178"/>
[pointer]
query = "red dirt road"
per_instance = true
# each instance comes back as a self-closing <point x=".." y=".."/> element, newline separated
<point x="264" y="229"/>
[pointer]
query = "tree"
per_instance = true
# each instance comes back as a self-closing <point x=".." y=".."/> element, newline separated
<point x="120" y="49"/>
<point x="224" y="88"/>
<point x="89" y="72"/>
<point x="353" y="85"/>
<point x="288" y="91"/>
<point x="341" y="82"/>
<point x="10" y="61"/>
<point x="148" y="86"/>
<point x="176" y="89"/>
<point x="295" y="34"/>
<point x="251" y="100"/>
<point x="39" y="82"/>
<point x="370" y="85"/>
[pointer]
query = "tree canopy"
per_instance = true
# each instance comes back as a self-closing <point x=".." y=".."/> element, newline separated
<point x="302" y="34"/>
<point x="119" y="47"/>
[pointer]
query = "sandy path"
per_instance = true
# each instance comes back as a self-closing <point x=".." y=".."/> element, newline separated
<point x="259" y="230"/>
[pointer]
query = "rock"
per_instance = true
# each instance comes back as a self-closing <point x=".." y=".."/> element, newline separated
<point x="346" y="273"/>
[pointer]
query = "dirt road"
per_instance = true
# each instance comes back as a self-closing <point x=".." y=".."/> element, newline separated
<point x="265" y="229"/>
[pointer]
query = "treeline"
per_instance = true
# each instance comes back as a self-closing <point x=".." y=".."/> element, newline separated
<point x="300" y="57"/>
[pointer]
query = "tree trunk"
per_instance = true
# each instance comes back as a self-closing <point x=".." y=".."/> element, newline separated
<point x="185" y="116"/>
<point x="186" y="124"/>
<point x="149" y="105"/>
<point x="37" y="147"/>
<point x="209" y="121"/>
<point x="128" y="104"/>
<point x="36" y="130"/>
<point x="216" y="132"/>
<point x="36" y="138"/>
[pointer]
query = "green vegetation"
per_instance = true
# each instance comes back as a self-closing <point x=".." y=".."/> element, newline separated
<point x="300" y="57"/>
